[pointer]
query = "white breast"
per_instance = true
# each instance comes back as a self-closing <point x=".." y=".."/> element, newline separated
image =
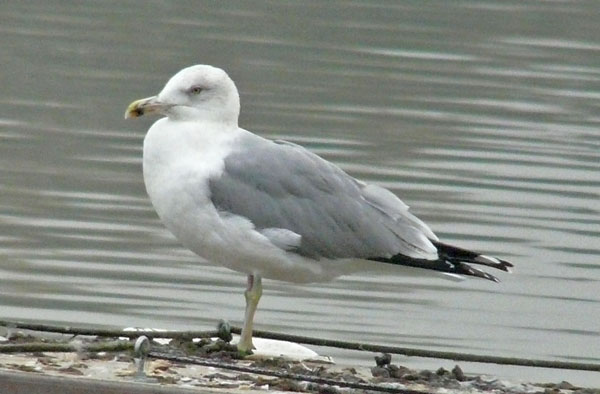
<point x="179" y="159"/>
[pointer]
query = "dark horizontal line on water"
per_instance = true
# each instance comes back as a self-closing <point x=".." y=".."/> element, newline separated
<point x="560" y="330"/>
<point x="583" y="265"/>
<point x="588" y="251"/>
<point x="475" y="206"/>
<point x="568" y="278"/>
<point x="498" y="217"/>
<point x="549" y="297"/>
<point x="449" y="155"/>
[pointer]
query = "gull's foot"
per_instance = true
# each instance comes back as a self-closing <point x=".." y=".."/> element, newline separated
<point x="244" y="348"/>
<point x="244" y="353"/>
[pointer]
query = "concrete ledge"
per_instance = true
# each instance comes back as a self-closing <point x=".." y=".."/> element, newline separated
<point x="33" y="383"/>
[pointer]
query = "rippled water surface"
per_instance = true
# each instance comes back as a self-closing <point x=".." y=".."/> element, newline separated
<point x="482" y="115"/>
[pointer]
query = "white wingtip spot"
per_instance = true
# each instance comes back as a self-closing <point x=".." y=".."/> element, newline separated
<point x="487" y="259"/>
<point x="454" y="277"/>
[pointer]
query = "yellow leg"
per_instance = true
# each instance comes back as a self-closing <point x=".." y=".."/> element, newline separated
<point x="252" y="294"/>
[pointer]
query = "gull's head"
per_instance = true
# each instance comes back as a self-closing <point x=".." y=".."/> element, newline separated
<point x="198" y="92"/>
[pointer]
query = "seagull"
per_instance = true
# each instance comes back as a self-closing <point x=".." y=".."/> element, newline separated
<point x="271" y="208"/>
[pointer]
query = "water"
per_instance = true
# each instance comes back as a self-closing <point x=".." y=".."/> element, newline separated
<point x="481" y="115"/>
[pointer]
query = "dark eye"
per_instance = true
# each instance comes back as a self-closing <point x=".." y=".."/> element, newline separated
<point x="196" y="90"/>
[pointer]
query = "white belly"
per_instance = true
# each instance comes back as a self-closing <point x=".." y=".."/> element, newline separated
<point x="226" y="240"/>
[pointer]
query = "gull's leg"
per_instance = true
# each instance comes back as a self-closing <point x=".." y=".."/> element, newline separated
<point x="252" y="294"/>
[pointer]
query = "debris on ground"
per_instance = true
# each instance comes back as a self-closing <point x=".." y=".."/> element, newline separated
<point x="178" y="367"/>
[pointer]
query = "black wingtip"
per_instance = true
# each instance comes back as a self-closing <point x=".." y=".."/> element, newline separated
<point x="454" y="253"/>
<point x="440" y="265"/>
<point x="454" y="260"/>
<point x="466" y="269"/>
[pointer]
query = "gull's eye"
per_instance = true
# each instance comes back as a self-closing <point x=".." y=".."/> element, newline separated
<point x="196" y="90"/>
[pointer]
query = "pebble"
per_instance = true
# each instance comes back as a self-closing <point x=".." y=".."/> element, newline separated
<point x="380" y="372"/>
<point x="458" y="374"/>
<point x="383" y="359"/>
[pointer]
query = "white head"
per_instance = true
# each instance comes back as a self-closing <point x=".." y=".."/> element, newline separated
<point x="198" y="92"/>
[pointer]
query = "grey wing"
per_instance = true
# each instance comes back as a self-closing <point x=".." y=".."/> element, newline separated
<point x="309" y="206"/>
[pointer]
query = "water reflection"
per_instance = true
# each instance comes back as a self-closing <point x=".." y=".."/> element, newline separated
<point x="481" y="115"/>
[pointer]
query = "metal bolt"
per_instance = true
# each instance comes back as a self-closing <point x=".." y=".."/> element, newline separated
<point x="141" y="349"/>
